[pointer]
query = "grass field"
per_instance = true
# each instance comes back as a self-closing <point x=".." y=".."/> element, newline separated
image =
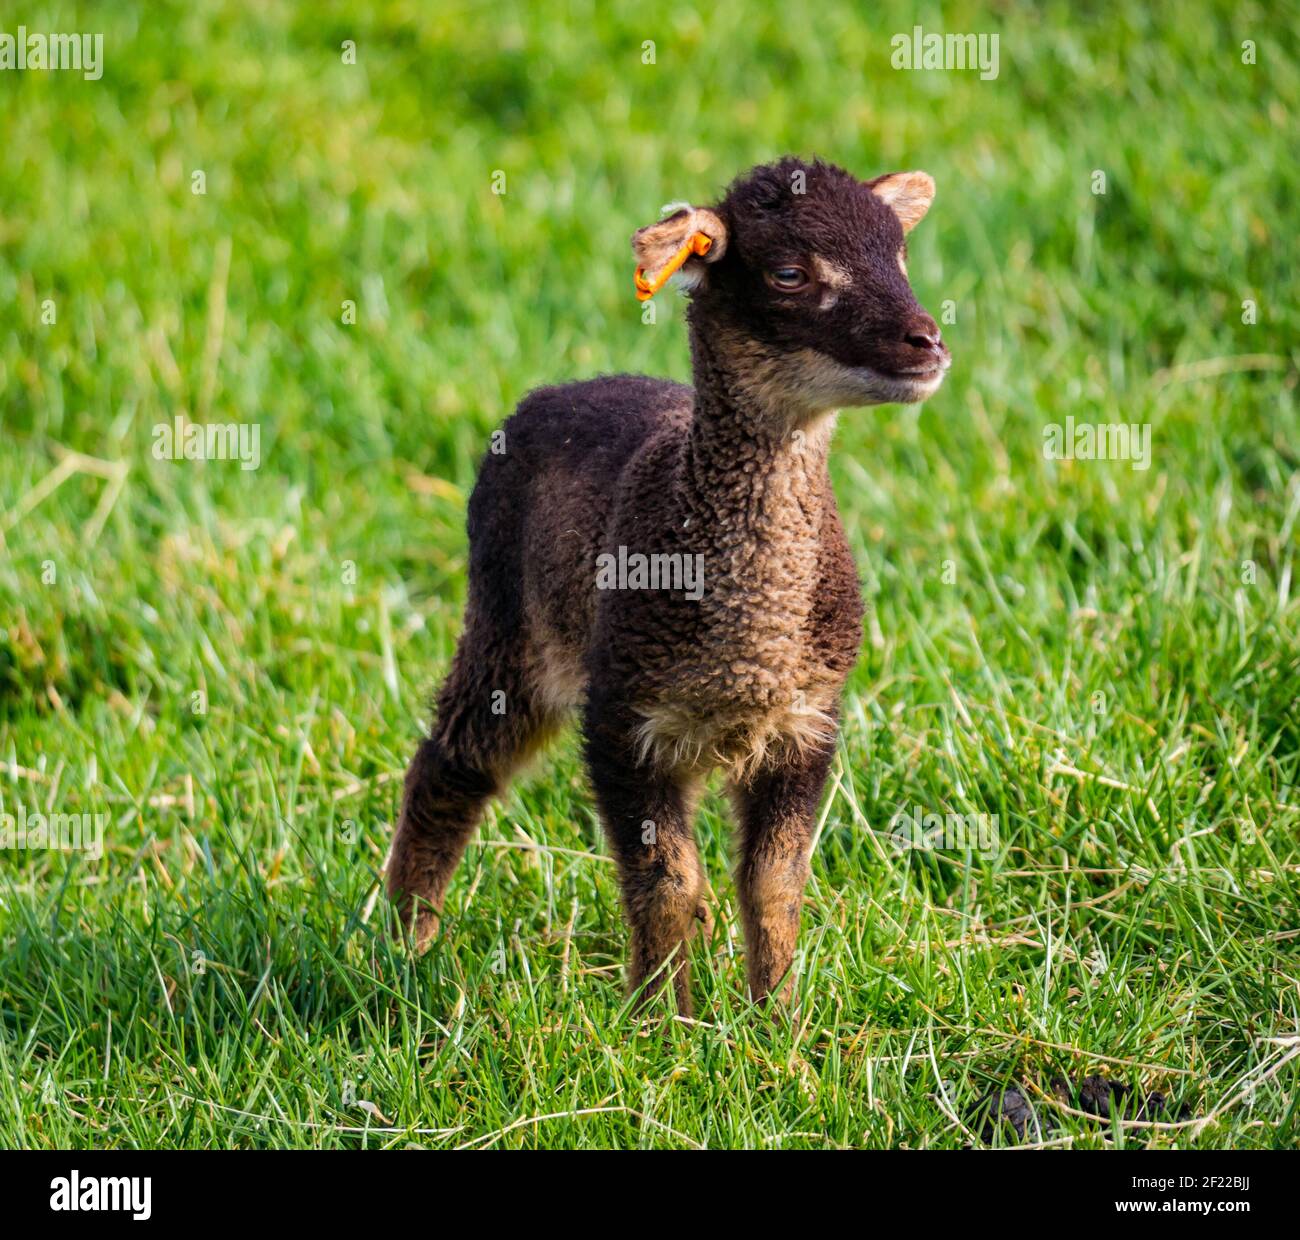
<point x="233" y="665"/>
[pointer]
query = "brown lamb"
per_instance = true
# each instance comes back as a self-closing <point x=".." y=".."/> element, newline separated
<point x="732" y="648"/>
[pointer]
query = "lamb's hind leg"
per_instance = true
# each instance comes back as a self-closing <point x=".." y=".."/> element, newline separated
<point x="777" y="812"/>
<point x="647" y="816"/>
<point x="488" y="719"/>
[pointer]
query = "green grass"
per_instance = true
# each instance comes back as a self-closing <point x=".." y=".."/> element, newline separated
<point x="1106" y="659"/>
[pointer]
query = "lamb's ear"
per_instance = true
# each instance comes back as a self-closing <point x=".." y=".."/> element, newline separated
<point x="655" y="244"/>
<point x="907" y="194"/>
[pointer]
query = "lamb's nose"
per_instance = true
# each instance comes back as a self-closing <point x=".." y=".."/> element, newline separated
<point x="923" y="333"/>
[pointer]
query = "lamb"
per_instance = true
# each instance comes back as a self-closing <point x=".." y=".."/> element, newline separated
<point x="799" y="305"/>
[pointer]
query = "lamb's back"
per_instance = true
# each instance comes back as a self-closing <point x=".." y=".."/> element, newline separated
<point x="541" y="506"/>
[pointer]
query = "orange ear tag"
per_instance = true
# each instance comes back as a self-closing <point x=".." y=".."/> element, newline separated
<point x="646" y="289"/>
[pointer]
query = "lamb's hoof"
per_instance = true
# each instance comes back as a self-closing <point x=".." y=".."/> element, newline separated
<point x="417" y="930"/>
<point x="423" y="930"/>
<point x="703" y="927"/>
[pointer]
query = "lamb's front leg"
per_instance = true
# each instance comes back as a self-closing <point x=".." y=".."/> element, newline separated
<point x="647" y="816"/>
<point x="777" y="814"/>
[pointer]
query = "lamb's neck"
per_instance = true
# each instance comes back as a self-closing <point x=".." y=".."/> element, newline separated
<point x="751" y="472"/>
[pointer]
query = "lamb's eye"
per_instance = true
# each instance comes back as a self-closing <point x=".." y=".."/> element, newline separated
<point x="788" y="279"/>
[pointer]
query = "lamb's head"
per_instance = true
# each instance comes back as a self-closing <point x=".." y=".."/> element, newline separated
<point x="802" y="292"/>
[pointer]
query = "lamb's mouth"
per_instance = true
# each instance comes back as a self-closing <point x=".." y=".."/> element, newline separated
<point x="819" y="382"/>
<point x="905" y="387"/>
<point x="929" y="370"/>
